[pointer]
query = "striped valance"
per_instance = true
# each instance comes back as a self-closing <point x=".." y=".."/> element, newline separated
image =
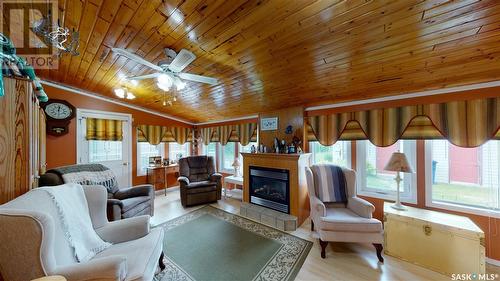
<point x="242" y="133"/>
<point x="104" y="129"/>
<point x="155" y="134"/>
<point x="464" y="123"/>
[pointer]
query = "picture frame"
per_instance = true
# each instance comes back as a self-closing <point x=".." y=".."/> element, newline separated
<point x="269" y="124"/>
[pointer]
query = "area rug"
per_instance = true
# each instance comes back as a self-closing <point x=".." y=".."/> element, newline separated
<point x="211" y="244"/>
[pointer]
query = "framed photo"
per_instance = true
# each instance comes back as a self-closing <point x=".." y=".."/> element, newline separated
<point x="269" y="124"/>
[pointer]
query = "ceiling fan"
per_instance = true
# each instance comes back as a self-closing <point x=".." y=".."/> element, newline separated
<point x="168" y="70"/>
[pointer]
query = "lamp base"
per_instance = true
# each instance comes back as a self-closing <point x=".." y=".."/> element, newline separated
<point x="398" y="206"/>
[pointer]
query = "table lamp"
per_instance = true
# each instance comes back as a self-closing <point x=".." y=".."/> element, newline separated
<point x="236" y="165"/>
<point x="398" y="163"/>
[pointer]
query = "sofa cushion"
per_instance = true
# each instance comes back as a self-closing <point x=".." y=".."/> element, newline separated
<point x="141" y="254"/>
<point x="345" y="220"/>
<point x="130" y="203"/>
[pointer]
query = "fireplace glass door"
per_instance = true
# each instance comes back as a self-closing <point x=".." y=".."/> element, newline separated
<point x="270" y="188"/>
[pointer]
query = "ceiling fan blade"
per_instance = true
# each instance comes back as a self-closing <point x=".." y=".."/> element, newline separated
<point x="136" y="58"/>
<point x="198" y="78"/>
<point x="183" y="59"/>
<point x="142" y="77"/>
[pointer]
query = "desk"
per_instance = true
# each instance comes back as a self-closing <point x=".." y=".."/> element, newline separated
<point x="158" y="176"/>
<point x="234" y="180"/>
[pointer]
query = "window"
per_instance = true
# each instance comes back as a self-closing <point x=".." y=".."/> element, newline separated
<point x="209" y="150"/>
<point x="374" y="181"/>
<point x="338" y="153"/>
<point x="248" y="148"/>
<point x="177" y="151"/>
<point x="227" y="155"/>
<point x="144" y="151"/>
<point x="100" y="151"/>
<point x="463" y="179"/>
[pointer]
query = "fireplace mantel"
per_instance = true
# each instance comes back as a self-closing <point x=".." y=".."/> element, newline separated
<point x="295" y="164"/>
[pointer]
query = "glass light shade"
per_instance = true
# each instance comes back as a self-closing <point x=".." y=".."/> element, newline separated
<point x="163" y="87"/>
<point x="165" y="80"/>
<point x="120" y="93"/>
<point x="130" y="96"/>
<point x="179" y="84"/>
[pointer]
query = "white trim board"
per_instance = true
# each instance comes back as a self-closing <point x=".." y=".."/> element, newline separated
<point x="492" y="261"/>
<point x="107" y="99"/>
<point x="408" y="96"/>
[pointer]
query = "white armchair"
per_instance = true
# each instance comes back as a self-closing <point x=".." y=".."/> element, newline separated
<point x="33" y="243"/>
<point x="339" y="222"/>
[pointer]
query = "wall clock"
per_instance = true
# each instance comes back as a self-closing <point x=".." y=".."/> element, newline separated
<point x="59" y="114"/>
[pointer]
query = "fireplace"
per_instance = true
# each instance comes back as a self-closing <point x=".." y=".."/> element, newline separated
<point x="270" y="188"/>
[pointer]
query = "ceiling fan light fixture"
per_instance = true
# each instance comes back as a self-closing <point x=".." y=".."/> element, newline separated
<point x="130" y="96"/>
<point x="120" y="93"/>
<point x="163" y="87"/>
<point x="165" y="80"/>
<point x="179" y="84"/>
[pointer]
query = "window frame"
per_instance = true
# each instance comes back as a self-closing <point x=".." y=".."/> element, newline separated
<point x="220" y="157"/>
<point x="139" y="170"/>
<point x="406" y="197"/>
<point x="448" y="205"/>
<point x="188" y="149"/>
<point x="348" y="156"/>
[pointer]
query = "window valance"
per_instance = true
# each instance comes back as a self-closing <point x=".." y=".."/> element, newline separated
<point x="467" y="123"/>
<point x="242" y="133"/>
<point x="155" y="134"/>
<point x="104" y="129"/>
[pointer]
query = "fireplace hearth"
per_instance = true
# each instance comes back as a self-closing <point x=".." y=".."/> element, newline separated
<point x="270" y="188"/>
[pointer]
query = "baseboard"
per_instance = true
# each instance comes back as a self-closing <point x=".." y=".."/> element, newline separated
<point x="493" y="262"/>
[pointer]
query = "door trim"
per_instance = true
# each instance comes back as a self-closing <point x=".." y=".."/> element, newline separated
<point x="83" y="113"/>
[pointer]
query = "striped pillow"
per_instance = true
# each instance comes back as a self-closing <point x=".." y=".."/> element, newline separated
<point x="330" y="183"/>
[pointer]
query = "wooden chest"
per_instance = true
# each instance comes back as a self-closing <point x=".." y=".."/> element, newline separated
<point x="441" y="242"/>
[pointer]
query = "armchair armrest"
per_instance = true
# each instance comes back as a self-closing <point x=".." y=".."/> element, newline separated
<point x="361" y="207"/>
<point x="125" y="230"/>
<point x="183" y="180"/>
<point x="106" y="268"/>
<point x="215" y="177"/>
<point x="317" y="207"/>
<point x="134" y="191"/>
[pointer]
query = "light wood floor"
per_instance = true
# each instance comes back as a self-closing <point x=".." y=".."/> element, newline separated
<point x="344" y="261"/>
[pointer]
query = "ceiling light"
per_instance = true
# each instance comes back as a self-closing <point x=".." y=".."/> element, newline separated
<point x="130" y="96"/>
<point x="134" y="82"/>
<point x="179" y="84"/>
<point x="165" y="80"/>
<point x="163" y="87"/>
<point x="120" y="93"/>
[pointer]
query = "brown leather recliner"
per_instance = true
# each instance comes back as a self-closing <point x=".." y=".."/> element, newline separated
<point x="122" y="202"/>
<point x="199" y="183"/>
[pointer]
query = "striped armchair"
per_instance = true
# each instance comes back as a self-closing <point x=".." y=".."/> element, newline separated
<point x="351" y="221"/>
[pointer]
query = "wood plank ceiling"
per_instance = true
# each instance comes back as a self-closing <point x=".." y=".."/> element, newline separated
<point x="270" y="54"/>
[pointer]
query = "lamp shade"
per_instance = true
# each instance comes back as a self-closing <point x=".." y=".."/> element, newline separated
<point x="398" y="163"/>
<point x="236" y="163"/>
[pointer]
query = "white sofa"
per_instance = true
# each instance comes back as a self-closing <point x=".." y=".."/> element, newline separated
<point x="339" y="222"/>
<point x="33" y="243"/>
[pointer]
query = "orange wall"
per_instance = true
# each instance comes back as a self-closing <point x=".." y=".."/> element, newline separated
<point x="61" y="150"/>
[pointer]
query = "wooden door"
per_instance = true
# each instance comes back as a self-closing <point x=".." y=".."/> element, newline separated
<point x="14" y="140"/>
